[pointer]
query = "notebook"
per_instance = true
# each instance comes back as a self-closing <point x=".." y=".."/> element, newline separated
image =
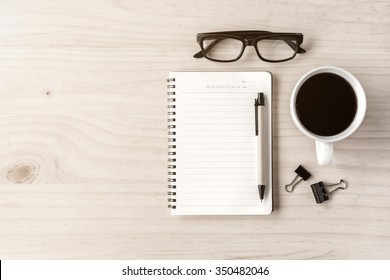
<point x="212" y="158"/>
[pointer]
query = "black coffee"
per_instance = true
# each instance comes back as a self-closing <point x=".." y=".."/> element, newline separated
<point x="326" y="104"/>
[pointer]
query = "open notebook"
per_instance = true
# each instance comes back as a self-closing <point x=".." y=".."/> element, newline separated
<point x="212" y="158"/>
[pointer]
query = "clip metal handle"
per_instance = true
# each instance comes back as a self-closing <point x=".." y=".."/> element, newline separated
<point x="290" y="187"/>
<point x="341" y="185"/>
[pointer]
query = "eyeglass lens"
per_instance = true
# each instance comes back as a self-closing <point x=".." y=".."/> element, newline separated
<point x="276" y="49"/>
<point x="221" y="48"/>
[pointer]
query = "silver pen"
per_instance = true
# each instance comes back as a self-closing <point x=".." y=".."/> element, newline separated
<point x="259" y="108"/>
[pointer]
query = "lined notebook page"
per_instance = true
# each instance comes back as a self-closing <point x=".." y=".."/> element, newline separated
<point x="216" y="150"/>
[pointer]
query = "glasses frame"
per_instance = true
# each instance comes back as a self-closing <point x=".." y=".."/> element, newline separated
<point x="249" y="38"/>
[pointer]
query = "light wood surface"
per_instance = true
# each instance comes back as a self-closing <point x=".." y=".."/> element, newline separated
<point x="83" y="131"/>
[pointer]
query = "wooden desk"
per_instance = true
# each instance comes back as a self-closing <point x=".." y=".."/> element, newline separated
<point x="83" y="131"/>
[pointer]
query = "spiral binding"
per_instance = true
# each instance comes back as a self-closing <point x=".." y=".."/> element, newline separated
<point x="171" y="143"/>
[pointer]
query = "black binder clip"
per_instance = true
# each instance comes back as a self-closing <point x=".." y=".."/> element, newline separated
<point x="301" y="173"/>
<point x="321" y="194"/>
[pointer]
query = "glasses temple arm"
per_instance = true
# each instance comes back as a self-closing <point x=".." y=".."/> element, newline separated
<point x="209" y="47"/>
<point x="198" y="55"/>
<point x="293" y="46"/>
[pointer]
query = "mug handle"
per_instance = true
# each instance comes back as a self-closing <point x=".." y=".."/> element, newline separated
<point x="324" y="152"/>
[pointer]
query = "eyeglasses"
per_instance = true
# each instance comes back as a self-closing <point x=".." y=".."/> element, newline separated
<point x="229" y="46"/>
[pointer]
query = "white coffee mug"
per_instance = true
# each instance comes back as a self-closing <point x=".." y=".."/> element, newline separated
<point x="324" y="144"/>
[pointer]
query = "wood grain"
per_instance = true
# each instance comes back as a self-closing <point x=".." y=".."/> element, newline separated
<point x="83" y="131"/>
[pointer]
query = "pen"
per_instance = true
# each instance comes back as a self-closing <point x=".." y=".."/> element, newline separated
<point x="259" y="108"/>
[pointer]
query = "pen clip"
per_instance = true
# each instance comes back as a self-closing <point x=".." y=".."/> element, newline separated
<point x="259" y="101"/>
<point x="256" y="118"/>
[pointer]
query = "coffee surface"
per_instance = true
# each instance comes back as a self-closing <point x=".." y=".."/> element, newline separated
<point x="326" y="104"/>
